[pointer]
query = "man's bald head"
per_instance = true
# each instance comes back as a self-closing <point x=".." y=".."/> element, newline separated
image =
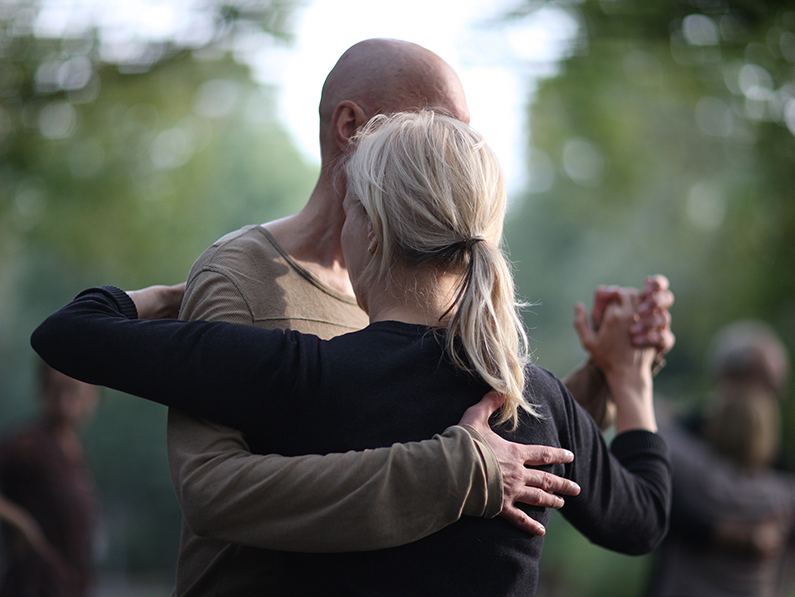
<point x="382" y="76"/>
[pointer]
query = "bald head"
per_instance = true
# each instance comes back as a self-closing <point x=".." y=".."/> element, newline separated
<point x="382" y="76"/>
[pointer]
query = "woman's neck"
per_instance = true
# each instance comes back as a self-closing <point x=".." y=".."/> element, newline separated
<point x="414" y="298"/>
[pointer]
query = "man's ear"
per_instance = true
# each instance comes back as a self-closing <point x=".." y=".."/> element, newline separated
<point x="348" y="116"/>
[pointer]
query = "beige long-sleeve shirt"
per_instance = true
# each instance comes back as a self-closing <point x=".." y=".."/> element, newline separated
<point x="237" y="506"/>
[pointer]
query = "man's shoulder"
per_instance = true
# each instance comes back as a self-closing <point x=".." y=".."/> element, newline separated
<point x="248" y="277"/>
<point x="250" y="246"/>
<point x="238" y="279"/>
<point x="253" y="262"/>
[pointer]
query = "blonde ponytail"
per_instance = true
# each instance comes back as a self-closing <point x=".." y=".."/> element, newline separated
<point x="489" y="328"/>
<point x="436" y="198"/>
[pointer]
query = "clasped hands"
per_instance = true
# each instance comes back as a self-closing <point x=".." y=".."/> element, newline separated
<point x="647" y="320"/>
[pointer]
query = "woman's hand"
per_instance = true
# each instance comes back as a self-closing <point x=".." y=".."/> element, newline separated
<point x="652" y="328"/>
<point x="608" y="341"/>
<point x="158" y="302"/>
<point x="519" y="483"/>
<point x="626" y="368"/>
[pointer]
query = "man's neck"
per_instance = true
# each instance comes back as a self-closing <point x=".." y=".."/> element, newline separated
<point x="312" y="237"/>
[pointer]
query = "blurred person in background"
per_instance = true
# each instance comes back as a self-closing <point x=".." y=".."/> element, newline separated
<point x="52" y="508"/>
<point x="732" y="514"/>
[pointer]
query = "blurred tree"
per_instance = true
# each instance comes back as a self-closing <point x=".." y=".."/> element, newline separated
<point x="124" y="152"/>
<point x="104" y="137"/>
<point x="666" y="144"/>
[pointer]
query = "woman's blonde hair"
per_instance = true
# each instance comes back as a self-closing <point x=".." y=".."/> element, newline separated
<point x="436" y="198"/>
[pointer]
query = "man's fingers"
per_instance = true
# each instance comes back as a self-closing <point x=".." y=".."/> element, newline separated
<point x="541" y="455"/>
<point x="602" y="296"/>
<point x="493" y="400"/>
<point x="477" y="415"/>
<point x="655" y="283"/>
<point x="548" y="483"/>
<point x="540" y="495"/>
<point x="520" y="519"/>
<point x="656" y="295"/>
<point x="667" y="341"/>
<point x="663" y="341"/>
<point x="620" y="310"/>
<point x="658" y="320"/>
<point x="660" y="300"/>
<point x="535" y="497"/>
<point x="584" y="330"/>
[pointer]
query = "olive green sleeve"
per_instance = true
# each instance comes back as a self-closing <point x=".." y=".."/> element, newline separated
<point x="337" y="502"/>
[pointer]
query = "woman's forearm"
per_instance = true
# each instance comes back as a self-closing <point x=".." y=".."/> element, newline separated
<point x="632" y="392"/>
<point x="205" y="368"/>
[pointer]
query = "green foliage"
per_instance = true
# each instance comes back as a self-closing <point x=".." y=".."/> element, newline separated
<point x="144" y="175"/>
<point x="670" y="156"/>
<point x="669" y="138"/>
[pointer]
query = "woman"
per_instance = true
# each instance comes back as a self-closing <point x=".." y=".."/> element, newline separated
<point x="424" y="210"/>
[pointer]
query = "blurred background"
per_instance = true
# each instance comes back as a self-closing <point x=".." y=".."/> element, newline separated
<point x="638" y="136"/>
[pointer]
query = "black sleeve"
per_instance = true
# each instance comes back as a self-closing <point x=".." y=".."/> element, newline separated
<point x="209" y="369"/>
<point x="625" y="500"/>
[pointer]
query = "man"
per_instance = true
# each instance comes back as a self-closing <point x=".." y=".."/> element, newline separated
<point x="291" y="274"/>
<point x="51" y="510"/>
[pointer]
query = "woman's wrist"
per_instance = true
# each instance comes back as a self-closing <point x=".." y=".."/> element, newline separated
<point x="630" y="376"/>
<point x="632" y="392"/>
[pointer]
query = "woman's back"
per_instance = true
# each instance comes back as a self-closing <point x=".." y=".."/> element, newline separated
<point x="391" y="383"/>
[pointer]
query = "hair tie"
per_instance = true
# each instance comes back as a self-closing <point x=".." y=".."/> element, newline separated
<point x="468" y="244"/>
